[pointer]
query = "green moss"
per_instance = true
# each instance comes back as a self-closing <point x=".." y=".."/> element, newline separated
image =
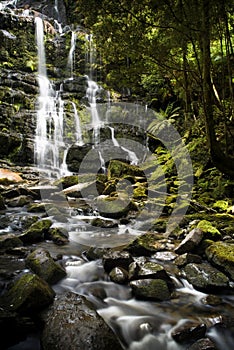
<point x="209" y="230"/>
<point x="140" y="192"/>
<point x="28" y="294"/>
<point x="221" y="205"/>
<point x="222" y="255"/>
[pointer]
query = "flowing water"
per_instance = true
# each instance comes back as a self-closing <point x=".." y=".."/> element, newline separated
<point x="144" y="325"/>
<point x="139" y="325"/>
<point x="70" y="62"/>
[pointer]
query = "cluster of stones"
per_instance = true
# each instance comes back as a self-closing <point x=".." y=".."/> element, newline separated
<point x="200" y="255"/>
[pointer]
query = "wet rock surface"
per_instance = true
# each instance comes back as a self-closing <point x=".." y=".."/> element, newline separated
<point x="72" y="323"/>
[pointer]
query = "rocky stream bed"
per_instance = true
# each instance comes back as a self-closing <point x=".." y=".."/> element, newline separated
<point x="157" y="291"/>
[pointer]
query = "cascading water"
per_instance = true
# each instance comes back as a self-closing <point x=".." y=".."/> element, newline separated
<point x="78" y="133"/>
<point x="91" y="94"/>
<point x="50" y="141"/>
<point x="70" y="61"/>
<point x="131" y="155"/>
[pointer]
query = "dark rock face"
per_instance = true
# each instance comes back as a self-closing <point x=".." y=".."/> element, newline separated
<point x="47" y="8"/>
<point x="189" y="332"/>
<point x="71" y="323"/>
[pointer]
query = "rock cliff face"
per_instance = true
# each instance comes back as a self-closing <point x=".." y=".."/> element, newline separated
<point x="18" y="70"/>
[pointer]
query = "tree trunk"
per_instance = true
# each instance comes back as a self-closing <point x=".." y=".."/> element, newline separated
<point x="224" y="163"/>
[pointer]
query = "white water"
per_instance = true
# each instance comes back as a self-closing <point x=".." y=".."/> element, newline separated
<point x="50" y="145"/>
<point x="91" y="94"/>
<point x="7" y="4"/>
<point x="142" y="325"/>
<point x="131" y="155"/>
<point x="89" y="55"/>
<point x="70" y="61"/>
<point x="78" y="131"/>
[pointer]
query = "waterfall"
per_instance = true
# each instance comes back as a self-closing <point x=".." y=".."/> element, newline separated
<point x="40" y="48"/>
<point x="49" y="129"/>
<point x="91" y="94"/>
<point x="115" y="142"/>
<point x="79" y="139"/>
<point x="90" y="55"/>
<point x="50" y="145"/>
<point x="132" y="156"/>
<point x="70" y="61"/>
<point x="102" y="161"/>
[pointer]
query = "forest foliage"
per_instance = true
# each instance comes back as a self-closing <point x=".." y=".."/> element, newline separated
<point x="170" y="53"/>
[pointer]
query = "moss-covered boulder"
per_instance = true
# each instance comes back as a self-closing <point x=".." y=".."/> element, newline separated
<point x="36" y="231"/>
<point x="113" y="259"/>
<point x="67" y="181"/>
<point x="206" y="278"/>
<point x="59" y="235"/>
<point x="9" y="241"/>
<point x="146" y="244"/>
<point x="40" y="262"/>
<point x="221" y="205"/>
<point x="150" y="289"/>
<point x="151" y="269"/>
<point x="118" y="275"/>
<point x="118" y="169"/>
<point x="222" y="254"/>
<point x="210" y="231"/>
<point x="28" y="294"/>
<point x="115" y="207"/>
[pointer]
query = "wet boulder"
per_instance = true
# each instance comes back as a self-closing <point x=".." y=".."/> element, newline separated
<point x="72" y="323"/>
<point x="41" y="263"/>
<point x="206" y="278"/>
<point x="9" y="241"/>
<point x="148" y="270"/>
<point x="203" y="344"/>
<point x="36" y="231"/>
<point x="118" y="275"/>
<point x="28" y="294"/>
<point x="20" y="201"/>
<point x="190" y="242"/>
<point x="105" y="223"/>
<point x="222" y="255"/>
<point x="8" y="177"/>
<point x="115" y="207"/>
<point x="150" y="289"/>
<point x="187" y="258"/>
<point x="114" y="259"/>
<point x="59" y="235"/>
<point x="146" y="244"/>
<point x="189" y="332"/>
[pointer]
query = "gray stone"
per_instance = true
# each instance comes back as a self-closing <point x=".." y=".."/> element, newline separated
<point x="190" y="242"/>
